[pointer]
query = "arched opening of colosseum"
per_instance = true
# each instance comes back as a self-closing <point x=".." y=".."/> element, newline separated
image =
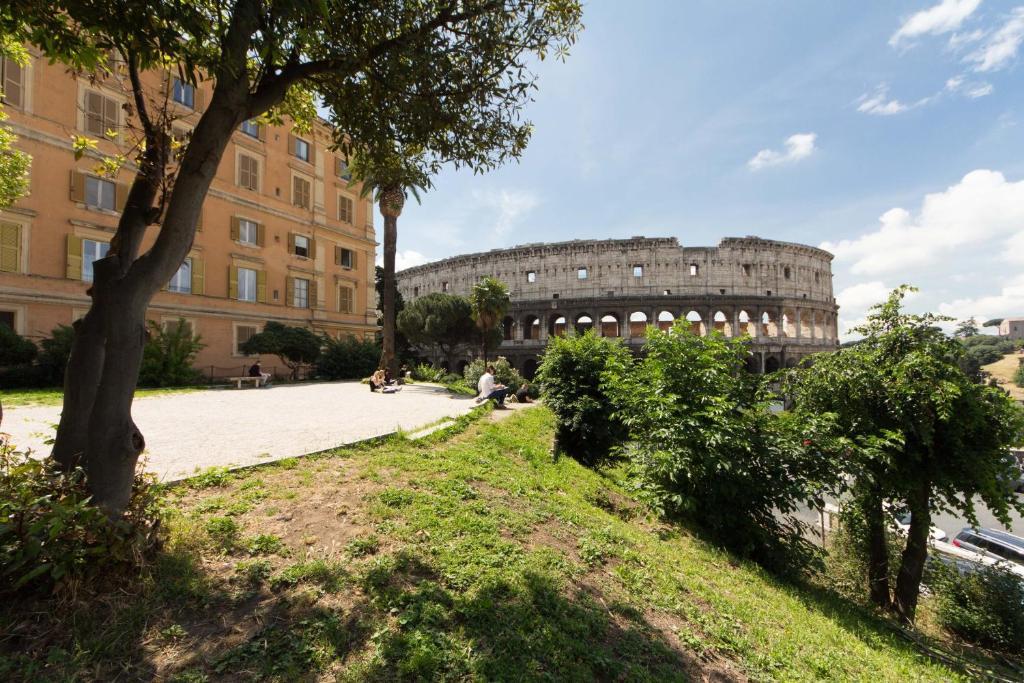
<point x="722" y="324"/>
<point x="817" y="324"/>
<point x="557" y="326"/>
<point x="637" y="324"/>
<point x="804" y="323"/>
<point x="531" y="327"/>
<point x="769" y="326"/>
<point x="508" y="328"/>
<point x="746" y="325"/>
<point x="609" y="325"/>
<point x="696" y="324"/>
<point x="771" y="364"/>
<point x="584" y="323"/>
<point x="788" y="323"/>
<point x="665" y="320"/>
<point x="530" y="368"/>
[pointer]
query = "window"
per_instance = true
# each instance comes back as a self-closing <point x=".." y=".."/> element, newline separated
<point x="251" y="128"/>
<point x="581" y="273"/>
<point x="100" y="114"/>
<point x="347" y="259"/>
<point x="302" y="149"/>
<point x="248" y="172"/>
<point x="769" y="293"/>
<point x="100" y="193"/>
<point x="7" y="319"/>
<point x="345" y="209"/>
<point x="92" y="251"/>
<point x="300" y="296"/>
<point x="817" y="277"/>
<point x="243" y="333"/>
<point x="12" y="82"/>
<point x="415" y="291"/>
<point x="746" y="270"/>
<point x="694" y="269"/>
<point x="786" y="272"/>
<point x="300" y="192"/>
<point x="531" y="276"/>
<point x="341" y="169"/>
<point x="444" y="286"/>
<point x="246" y="284"/>
<point x="183" y="93"/>
<point x="248" y="231"/>
<point x="182" y="280"/>
<point x="10" y="248"/>
<point x="666" y="292"/>
<point x="346" y="299"/>
<point x="638" y="271"/>
<point x="302" y="246"/>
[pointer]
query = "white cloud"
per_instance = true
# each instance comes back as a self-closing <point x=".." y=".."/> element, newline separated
<point x="979" y="90"/>
<point x="508" y="205"/>
<point x="798" y="146"/>
<point x="944" y="17"/>
<point x="864" y="295"/>
<point x="983" y="207"/>
<point x="878" y="103"/>
<point x="972" y="89"/>
<point x="1000" y="47"/>
<point x="404" y="259"/>
<point x="959" y="40"/>
<point x="1008" y="302"/>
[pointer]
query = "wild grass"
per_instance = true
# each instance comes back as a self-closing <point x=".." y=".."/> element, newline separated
<point x="55" y="396"/>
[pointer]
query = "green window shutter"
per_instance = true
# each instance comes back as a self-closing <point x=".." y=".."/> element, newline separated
<point x="77" y="186"/>
<point x="232" y="282"/>
<point x="289" y="291"/>
<point x="74" y="266"/>
<point x="235" y="231"/>
<point x="261" y="286"/>
<point x="10" y="247"/>
<point x="198" y="276"/>
<point x="261" y="234"/>
<point x="312" y="299"/>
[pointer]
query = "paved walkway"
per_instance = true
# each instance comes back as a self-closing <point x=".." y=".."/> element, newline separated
<point x="230" y="427"/>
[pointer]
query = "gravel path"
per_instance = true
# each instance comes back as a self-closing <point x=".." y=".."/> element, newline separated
<point x="230" y="427"/>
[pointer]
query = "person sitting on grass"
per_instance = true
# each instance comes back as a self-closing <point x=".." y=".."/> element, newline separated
<point x="377" y="380"/>
<point x="488" y="390"/>
<point x="523" y="395"/>
<point x="256" y="371"/>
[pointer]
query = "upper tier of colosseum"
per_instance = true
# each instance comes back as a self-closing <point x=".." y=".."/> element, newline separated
<point x="640" y="266"/>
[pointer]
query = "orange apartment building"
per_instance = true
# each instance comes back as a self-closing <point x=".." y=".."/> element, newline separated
<point x="282" y="236"/>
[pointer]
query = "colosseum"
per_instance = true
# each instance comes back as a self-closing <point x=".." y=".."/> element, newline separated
<point x="778" y="293"/>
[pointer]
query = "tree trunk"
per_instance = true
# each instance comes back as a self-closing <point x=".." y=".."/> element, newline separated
<point x="908" y="582"/>
<point x="878" y="550"/>
<point x="387" y="304"/>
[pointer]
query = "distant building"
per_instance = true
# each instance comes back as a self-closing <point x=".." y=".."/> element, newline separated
<point x="1012" y="328"/>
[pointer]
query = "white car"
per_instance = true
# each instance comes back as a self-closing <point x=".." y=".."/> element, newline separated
<point x="966" y="561"/>
<point x="934" y="533"/>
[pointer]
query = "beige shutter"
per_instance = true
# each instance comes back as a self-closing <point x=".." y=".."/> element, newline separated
<point x="13" y="83"/>
<point x="261" y="234"/>
<point x="74" y="261"/>
<point x="232" y="282"/>
<point x="291" y="243"/>
<point x="198" y="276"/>
<point x="235" y="229"/>
<point x="312" y="248"/>
<point x="312" y="150"/>
<point x="354" y="253"/>
<point x="120" y="195"/>
<point x="312" y="299"/>
<point x="291" y="144"/>
<point x="337" y="256"/>
<point x="262" y="133"/>
<point x="200" y="99"/>
<point x="289" y="291"/>
<point x="93" y="113"/>
<point x="77" y="186"/>
<point x="261" y="286"/>
<point x="110" y="116"/>
<point x="10" y="247"/>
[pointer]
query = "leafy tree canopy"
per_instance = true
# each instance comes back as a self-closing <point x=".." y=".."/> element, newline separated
<point x="967" y="328"/>
<point x="293" y="345"/>
<point x="439" y="320"/>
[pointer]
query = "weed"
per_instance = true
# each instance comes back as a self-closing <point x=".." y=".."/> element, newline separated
<point x="330" y="576"/>
<point x="265" y="544"/>
<point x="395" y="498"/>
<point x="223" y="531"/>
<point x="211" y="477"/>
<point x="253" y="572"/>
<point x="361" y="547"/>
<point x="173" y="632"/>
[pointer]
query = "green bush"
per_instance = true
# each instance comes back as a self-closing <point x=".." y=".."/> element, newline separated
<point x="1018" y="376"/>
<point x="15" y="349"/>
<point x="847" y="561"/>
<point x="54" y="353"/>
<point x="570" y="378"/>
<point x="984" y="606"/>
<point x="425" y="372"/>
<point x="168" y="356"/>
<point x="504" y="373"/>
<point x="348" y="358"/>
<point x="51" y="536"/>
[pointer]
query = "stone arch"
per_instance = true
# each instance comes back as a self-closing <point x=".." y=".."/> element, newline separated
<point x="638" y="321"/>
<point x="788" y="328"/>
<point x="803" y="324"/>
<point x="771" y="364"/>
<point x="508" y="328"/>
<point x="583" y="323"/>
<point x="791" y="361"/>
<point x="697" y="325"/>
<point x="721" y="324"/>
<point x="461" y="367"/>
<point x="769" y="325"/>
<point x="531" y="327"/>
<point x="610" y="325"/>
<point x="557" y="325"/>
<point x="745" y="325"/>
<point x="665" y="320"/>
<point x="530" y="368"/>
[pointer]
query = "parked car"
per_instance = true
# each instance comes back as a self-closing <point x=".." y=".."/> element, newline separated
<point x="966" y="561"/>
<point x="903" y="525"/>
<point x="992" y="542"/>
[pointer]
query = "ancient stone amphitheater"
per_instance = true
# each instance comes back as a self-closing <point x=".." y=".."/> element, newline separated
<point x="777" y="293"/>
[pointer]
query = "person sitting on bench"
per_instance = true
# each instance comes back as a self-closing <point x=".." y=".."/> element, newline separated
<point x="489" y="390"/>
<point x="256" y="371"/>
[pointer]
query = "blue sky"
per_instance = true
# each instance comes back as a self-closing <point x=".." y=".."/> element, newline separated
<point x="891" y="133"/>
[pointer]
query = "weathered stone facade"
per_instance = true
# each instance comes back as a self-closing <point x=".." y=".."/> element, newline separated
<point x="778" y="293"/>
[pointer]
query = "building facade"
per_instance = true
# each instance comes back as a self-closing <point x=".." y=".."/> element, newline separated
<point x="1012" y="328"/>
<point x="282" y="237"/>
<point x="777" y="293"/>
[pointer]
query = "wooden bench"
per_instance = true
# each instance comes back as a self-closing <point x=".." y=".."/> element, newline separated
<point x="257" y="381"/>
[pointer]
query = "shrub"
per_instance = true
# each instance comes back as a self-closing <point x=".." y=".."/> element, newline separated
<point x="425" y="372"/>
<point x="985" y="606"/>
<point x="15" y="349"/>
<point x="54" y="353"/>
<point x="1018" y="376"/>
<point x="348" y="358"/>
<point x="294" y="345"/>
<point x="504" y="373"/>
<point x="168" y="356"/>
<point x="570" y="377"/>
<point x="51" y="536"/>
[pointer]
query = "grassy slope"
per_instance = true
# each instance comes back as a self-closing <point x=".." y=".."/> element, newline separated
<point x="55" y="397"/>
<point x="473" y="559"/>
<point x="1002" y="370"/>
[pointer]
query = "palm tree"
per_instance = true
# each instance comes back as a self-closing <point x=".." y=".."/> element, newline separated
<point x="390" y="182"/>
<point x="489" y="300"/>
